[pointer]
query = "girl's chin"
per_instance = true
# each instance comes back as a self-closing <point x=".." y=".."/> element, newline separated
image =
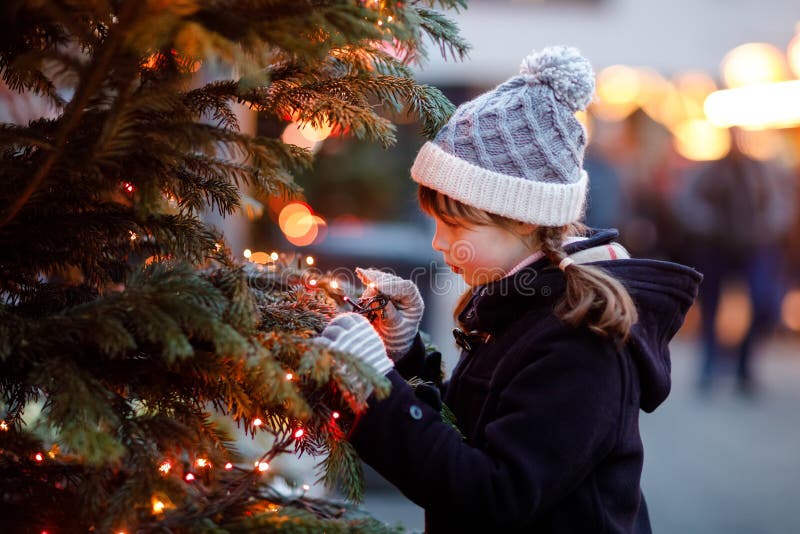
<point x="457" y="270"/>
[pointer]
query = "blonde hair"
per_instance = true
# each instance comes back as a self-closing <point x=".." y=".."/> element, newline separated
<point x="592" y="298"/>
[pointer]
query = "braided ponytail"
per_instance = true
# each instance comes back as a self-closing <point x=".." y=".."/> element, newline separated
<point x="592" y="297"/>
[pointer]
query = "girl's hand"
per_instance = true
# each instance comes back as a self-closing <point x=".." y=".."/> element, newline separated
<point x="352" y="333"/>
<point x="399" y="322"/>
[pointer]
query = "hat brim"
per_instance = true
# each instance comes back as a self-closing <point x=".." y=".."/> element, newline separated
<point x="540" y="203"/>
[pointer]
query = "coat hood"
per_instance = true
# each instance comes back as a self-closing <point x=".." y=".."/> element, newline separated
<point x="662" y="291"/>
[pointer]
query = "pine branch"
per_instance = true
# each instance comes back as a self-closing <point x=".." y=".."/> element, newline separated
<point x="114" y="370"/>
<point x="75" y="109"/>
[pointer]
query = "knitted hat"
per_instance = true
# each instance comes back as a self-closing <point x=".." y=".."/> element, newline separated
<point x="517" y="150"/>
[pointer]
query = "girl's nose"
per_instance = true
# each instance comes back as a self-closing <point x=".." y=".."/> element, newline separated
<point x="439" y="243"/>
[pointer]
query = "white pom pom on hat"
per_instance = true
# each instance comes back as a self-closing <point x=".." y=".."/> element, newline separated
<point x="565" y="70"/>
<point x="517" y="150"/>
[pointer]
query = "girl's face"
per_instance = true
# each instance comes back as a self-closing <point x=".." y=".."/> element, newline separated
<point x="480" y="253"/>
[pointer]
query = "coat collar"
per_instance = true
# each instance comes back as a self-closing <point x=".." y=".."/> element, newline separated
<point x="496" y="305"/>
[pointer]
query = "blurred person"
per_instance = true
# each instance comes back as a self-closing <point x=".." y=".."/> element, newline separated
<point x="564" y="336"/>
<point x="735" y="213"/>
<point x="606" y="205"/>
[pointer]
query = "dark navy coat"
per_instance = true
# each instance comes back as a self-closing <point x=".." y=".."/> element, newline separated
<point x="548" y="414"/>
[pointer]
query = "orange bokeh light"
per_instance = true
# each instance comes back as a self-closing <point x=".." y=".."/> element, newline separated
<point x="300" y="226"/>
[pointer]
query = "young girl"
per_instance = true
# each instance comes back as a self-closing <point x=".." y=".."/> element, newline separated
<point x="564" y="336"/>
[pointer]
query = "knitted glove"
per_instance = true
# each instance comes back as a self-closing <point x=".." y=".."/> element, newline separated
<point x="399" y="323"/>
<point x="352" y="333"/>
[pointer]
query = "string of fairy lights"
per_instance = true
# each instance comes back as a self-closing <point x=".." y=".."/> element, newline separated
<point x="301" y="227"/>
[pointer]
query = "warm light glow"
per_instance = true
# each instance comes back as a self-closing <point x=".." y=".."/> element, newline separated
<point x="762" y="145"/>
<point x="189" y="477"/>
<point x="617" y="93"/>
<point x="165" y="467"/>
<point x="262" y="466"/>
<point x="335" y="415"/>
<point x="257" y="422"/>
<point x="289" y="376"/>
<point x="312" y="282"/>
<point x="310" y="260"/>
<point x="698" y="140"/>
<point x="299" y="433"/>
<point x="3" y="425"/>
<point x="757" y="107"/>
<point x="229" y="466"/>
<point x="793" y="55"/>
<point x="315" y="133"/>
<point x="735" y="315"/>
<point x="298" y="224"/>
<point x="583" y="118"/>
<point x="158" y="506"/>
<point x="668" y="108"/>
<point x="259" y="257"/>
<point x="790" y="310"/>
<point x="754" y="63"/>
<point x="306" y="487"/>
<point x="247" y="253"/>
<point x="274" y="256"/>
<point x="202" y="462"/>
<point x="315" y="234"/>
<point x="133" y="235"/>
<point x="334" y="284"/>
<point x="693" y="88"/>
<point x="305" y="136"/>
<point x="299" y="213"/>
<point x="127" y="186"/>
<point x="659" y="98"/>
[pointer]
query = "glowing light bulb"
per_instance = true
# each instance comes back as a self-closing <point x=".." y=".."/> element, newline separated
<point x="3" y="426"/>
<point x="39" y="457"/>
<point x="165" y="467"/>
<point x="247" y="253"/>
<point x="257" y="422"/>
<point x="306" y="487"/>
<point x="274" y="256"/>
<point x="312" y="282"/>
<point x="299" y="433"/>
<point x="310" y="260"/>
<point x="335" y="415"/>
<point x="189" y="477"/>
<point x="334" y="284"/>
<point x="289" y="376"/>
<point x="127" y="186"/>
<point x="262" y="466"/>
<point x="158" y="507"/>
<point x="133" y="235"/>
<point x="229" y="466"/>
<point x="389" y="18"/>
<point x="202" y="462"/>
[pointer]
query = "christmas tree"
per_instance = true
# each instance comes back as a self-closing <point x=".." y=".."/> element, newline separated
<point x="125" y="324"/>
